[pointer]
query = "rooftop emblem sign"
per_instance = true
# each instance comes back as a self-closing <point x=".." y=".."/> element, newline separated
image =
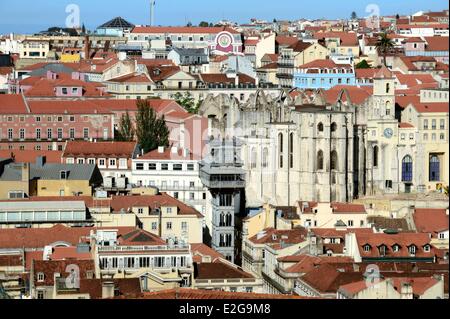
<point x="224" y="42"/>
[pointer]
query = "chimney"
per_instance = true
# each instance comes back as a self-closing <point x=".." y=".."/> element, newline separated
<point x="107" y="289"/>
<point x="161" y="149"/>
<point x="186" y="153"/>
<point x="40" y="161"/>
<point x="87" y="48"/>
<point x="25" y="172"/>
<point x="174" y="150"/>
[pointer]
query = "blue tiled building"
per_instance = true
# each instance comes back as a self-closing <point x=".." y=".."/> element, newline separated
<point x="323" y="74"/>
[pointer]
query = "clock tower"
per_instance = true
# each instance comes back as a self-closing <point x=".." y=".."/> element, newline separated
<point x="382" y="151"/>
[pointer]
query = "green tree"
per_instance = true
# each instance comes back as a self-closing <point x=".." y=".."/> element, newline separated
<point x="189" y="24"/>
<point x="363" y="65"/>
<point x="125" y="132"/>
<point x="384" y="45"/>
<point x="187" y="101"/>
<point x="354" y="16"/>
<point x="151" y="131"/>
<point x="203" y="24"/>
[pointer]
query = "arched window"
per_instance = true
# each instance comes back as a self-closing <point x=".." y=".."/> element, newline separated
<point x="334" y="161"/>
<point x="333" y="127"/>
<point x="375" y="156"/>
<point x="280" y="149"/>
<point x="319" y="160"/>
<point x="435" y="168"/>
<point x="253" y="160"/>
<point x="320" y="127"/>
<point x="407" y="169"/>
<point x="388" y="108"/>
<point x="291" y="150"/>
<point x="265" y="158"/>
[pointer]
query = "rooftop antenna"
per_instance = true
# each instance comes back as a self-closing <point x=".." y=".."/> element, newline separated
<point x="152" y="12"/>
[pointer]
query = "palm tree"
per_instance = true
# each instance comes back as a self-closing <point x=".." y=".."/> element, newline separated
<point x="383" y="45"/>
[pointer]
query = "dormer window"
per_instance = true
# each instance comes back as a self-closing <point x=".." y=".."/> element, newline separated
<point x="64" y="91"/>
<point x="427" y="248"/>
<point x="63" y="175"/>
<point x="396" y="248"/>
<point x="382" y="250"/>
<point x="40" y="277"/>
<point x="412" y="249"/>
<point x="366" y="248"/>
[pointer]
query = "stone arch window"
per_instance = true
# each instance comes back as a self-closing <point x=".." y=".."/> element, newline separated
<point x="320" y="127"/>
<point x="435" y="168"/>
<point x="375" y="156"/>
<point x="320" y="160"/>
<point x="280" y="149"/>
<point x="388" y="108"/>
<point x="265" y="157"/>
<point x="334" y="127"/>
<point x="291" y="150"/>
<point x="407" y="169"/>
<point x="334" y="165"/>
<point x="253" y="158"/>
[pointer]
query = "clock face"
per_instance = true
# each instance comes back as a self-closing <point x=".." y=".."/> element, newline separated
<point x="388" y="133"/>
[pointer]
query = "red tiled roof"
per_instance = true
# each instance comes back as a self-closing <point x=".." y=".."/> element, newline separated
<point x="219" y="270"/>
<point x="41" y="237"/>
<point x="357" y="94"/>
<point x="125" y="287"/>
<point x="327" y="278"/>
<point x="12" y="104"/>
<point x="437" y="44"/>
<point x="63" y="253"/>
<point x="270" y="56"/>
<point x="404" y="240"/>
<point x="285" y="40"/>
<point x="29" y="156"/>
<point x="119" y="149"/>
<point x="5" y="70"/>
<point x="348" y="208"/>
<point x="412" y="80"/>
<point x="188" y="30"/>
<point x="405" y="125"/>
<point x="166" y="155"/>
<point x="324" y="64"/>
<point x="419" y="285"/>
<point x="347" y="38"/>
<point x="132" y="78"/>
<point x="50" y="267"/>
<point x="273" y="236"/>
<point x="131" y="105"/>
<point x="125" y="202"/>
<point x="160" y="73"/>
<point x="201" y="250"/>
<point x="365" y="73"/>
<point x="383" y="73"/>
<point x="432" y="107"/>
<point x="191" y="294"/>
<point x="11" y="260"/>
<point x="335" y="233"/>
<point x="66" y="107"/>
<point x="431" y="221"/>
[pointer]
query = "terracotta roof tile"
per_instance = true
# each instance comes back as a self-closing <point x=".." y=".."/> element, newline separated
<point x="431" y="221"/>
<point x="89" y="149"/>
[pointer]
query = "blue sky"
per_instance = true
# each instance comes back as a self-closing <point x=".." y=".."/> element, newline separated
<point x="28" y="16"/>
